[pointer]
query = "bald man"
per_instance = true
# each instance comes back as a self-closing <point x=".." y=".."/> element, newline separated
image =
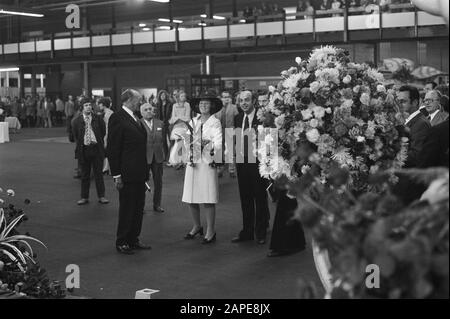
<point x="127" y="154"/>
<point x="252" y="187"/>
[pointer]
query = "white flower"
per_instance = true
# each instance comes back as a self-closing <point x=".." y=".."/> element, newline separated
<point x="375" y="75"/>
<point x="347" y="79"/>
<point x="272" y="89"/>
<point x="307" y="114"/>
<point x="279" y="121"/>
<point x="314" y="123"/>
<point x="365" y="99"/>
<point x="298" y="60"/>
<point x="328" y="110"/>
<point x="313" y="135"/>
<point x="305" y="169"/>
<point x="360" y="139"/>
<point x="328" y="75"/>
<point x="319" y="112"/>
<point x="10" y="192"/>
<point x="343" y="157"/>
<point x="356" y="89"/>
<point x="374" y="169"/>
<point x="381" y="88"/>
<point x="265" y="168"/>
<point x="1" y="201"/>
<point x="347" y="104"/>
<point x="314" y="87"/>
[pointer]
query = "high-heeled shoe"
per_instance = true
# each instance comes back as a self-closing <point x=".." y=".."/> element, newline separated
<point x="209" y="241"/>
<point x="190" y="236"/>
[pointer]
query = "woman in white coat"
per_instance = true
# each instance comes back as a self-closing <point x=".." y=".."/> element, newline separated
<point x="201" y="182"/>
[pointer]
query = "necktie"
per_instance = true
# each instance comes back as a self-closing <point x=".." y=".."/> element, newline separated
<point x="151" y="125"/>
<point x="88" y="131"/>
<point x="429" y="118"/>
<point x="245" y="137"/>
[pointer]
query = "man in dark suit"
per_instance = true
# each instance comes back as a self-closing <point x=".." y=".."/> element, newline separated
<point x="417" y="124"/>
<point x="252" y="187"/>
<point x="89" y="131"/>
<point x="433" y="101"/>
<point x="155" y="150"/>
<point x="436" y="147"/>
<point x="127" y="155"/>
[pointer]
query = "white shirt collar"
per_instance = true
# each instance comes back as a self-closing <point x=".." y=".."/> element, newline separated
<point x="412" y="116"/>
<point x="149" y="123"/>
<point x="129" y="112"/>
<point x="433" y="114"/>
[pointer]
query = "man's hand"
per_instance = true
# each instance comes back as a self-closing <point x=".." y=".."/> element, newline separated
<point x="119" y="183"/>
<point x="437" y="192"/>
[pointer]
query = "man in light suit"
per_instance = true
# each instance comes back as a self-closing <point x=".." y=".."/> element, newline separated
<point x="433" y="104"/>
<point x="127" y="154"/>
<point x="155" y="150"/>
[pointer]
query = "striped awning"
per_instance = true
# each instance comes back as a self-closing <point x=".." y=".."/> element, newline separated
<point x="394" y="64"/>
<point x="425" y="72"/>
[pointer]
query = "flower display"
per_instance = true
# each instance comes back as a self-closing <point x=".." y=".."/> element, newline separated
<point x="342" y="111"/>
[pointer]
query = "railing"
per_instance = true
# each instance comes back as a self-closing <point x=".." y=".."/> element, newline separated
<point x="341" y="20"/>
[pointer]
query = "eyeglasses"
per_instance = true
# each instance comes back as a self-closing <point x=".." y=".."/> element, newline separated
<point x="430" y="100"/>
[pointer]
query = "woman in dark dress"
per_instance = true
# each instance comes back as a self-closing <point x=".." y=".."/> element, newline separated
<point x="288" y="236"/>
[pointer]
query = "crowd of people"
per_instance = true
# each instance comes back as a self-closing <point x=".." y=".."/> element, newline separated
<point x="134" y="141"/>
<point x="309" y="7"/>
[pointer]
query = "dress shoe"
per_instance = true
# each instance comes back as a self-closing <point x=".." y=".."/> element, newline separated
<point x="190" y="236"/>
<point x="141" y="246"/>
<point x="125" y="249"/>
<point x="83" y="201"/>
<point x="240" y="239"/>
<point x="103" y="201"/>
<point x="209" y="241"/>
<point x="158" y="209"/>
<point x="261" y="241"/>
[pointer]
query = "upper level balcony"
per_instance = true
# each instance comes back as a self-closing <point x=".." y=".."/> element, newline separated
<point x="229" y="34"/>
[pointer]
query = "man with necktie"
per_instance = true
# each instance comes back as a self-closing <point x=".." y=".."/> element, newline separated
<point x="127" y="155"/>
<point x="155" y="151"/>
<point x="252" y="187"/>
<point x="89" y="132"/>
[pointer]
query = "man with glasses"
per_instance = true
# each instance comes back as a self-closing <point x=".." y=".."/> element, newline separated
<point x="89" y="131"/>
<point x="433" y="105"/>
<point x="417" y="124"/>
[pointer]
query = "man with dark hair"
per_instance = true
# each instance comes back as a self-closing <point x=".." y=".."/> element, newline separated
<point x="127" y="154"/>
<point x="89" y="132"/>
<point x="417" y="124"/>
<point x="104" y="105"/>
<point x="430" y="86"/>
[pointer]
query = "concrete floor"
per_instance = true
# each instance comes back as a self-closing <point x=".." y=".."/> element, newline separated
<point x="38" y="164"/>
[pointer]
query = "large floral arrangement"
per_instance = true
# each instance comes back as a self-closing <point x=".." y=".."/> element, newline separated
<point x="20" y="273"/>
<point x="329" y="110"/>
<point x="409" y="244"/>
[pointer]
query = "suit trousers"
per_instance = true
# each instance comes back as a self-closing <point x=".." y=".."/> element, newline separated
<point x="131" y="212"/>
<point x="255" y="208"/>
<point x="157" y="173"/>
<point x="92" y="159"/>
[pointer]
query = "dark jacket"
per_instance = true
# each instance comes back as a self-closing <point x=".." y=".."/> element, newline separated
<point x="238" y="119"/>
<point x="127" y="148"/>
<point x="435" y="148"/>
<point x="155" y="140"/>
<point x="418" y="129"/>
<point x="78" y="130"/>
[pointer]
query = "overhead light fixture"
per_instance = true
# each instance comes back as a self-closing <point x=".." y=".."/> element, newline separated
<point x="219" y="18"/>
<point x="19" y="13"/>
<point x="202" y="24"/>
<point x="181" y="29"/>
<point x="11" y="69"/>
<point x="177" y="21"/>
<point x="161" y="1"/>
<point x="163" y="20"/>
<point x="164" y="27"/>
<point x="204" y="16"/>
<point x="142" y="25"/>
<point x="242" y="21"/>
<point x="146" y="29"/>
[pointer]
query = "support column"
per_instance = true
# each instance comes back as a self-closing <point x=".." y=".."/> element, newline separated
<point x="234" y="8"/>
<point x="21" y="84"/>
<point x="211" y="9"/>
<point x="86" y="87"/>
<point x="33" y="83"/>
<point x="209" y="65"/>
